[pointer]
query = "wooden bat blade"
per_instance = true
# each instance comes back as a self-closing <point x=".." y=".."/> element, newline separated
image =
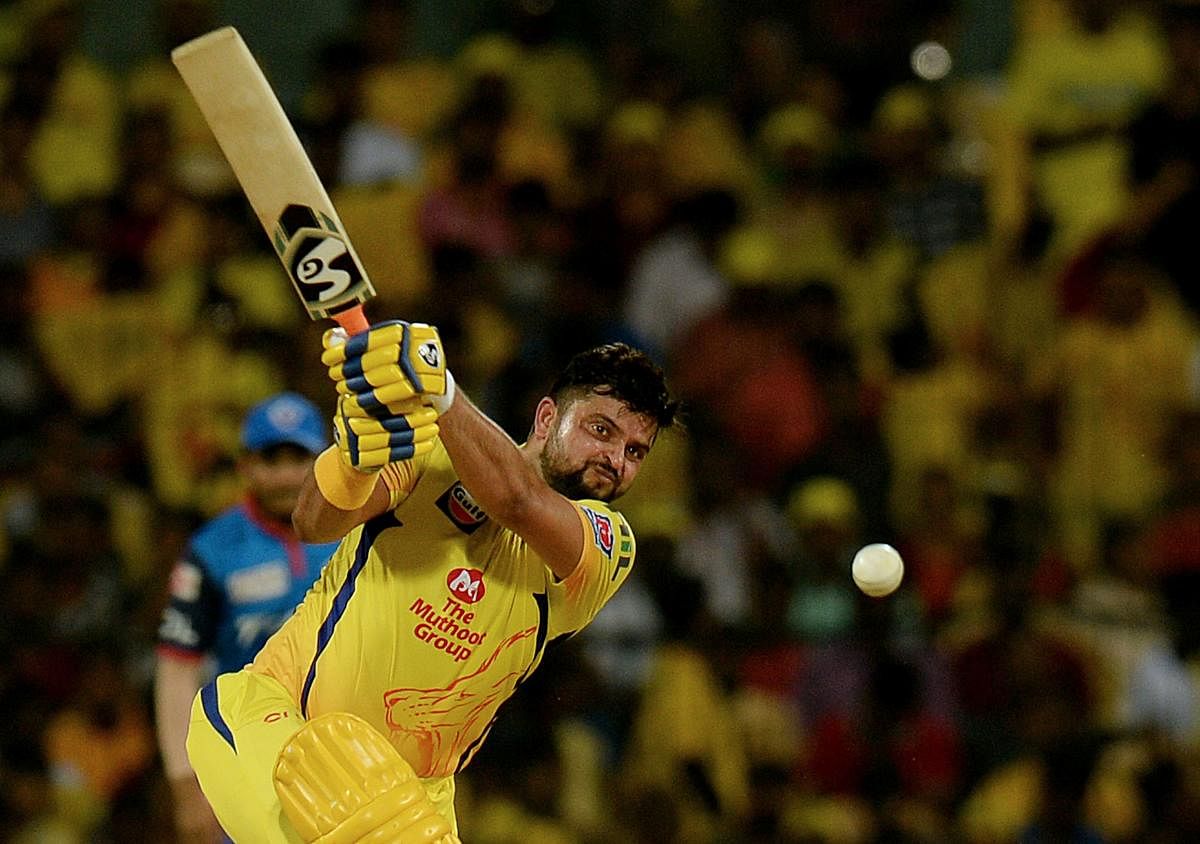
<point x="275" y="174"/>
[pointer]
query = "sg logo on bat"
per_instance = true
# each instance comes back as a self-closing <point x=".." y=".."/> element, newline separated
<point x="324" y="271"/>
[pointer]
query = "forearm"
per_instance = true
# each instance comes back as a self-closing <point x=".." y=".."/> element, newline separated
<point x="176" y="682"/>
<point x="316" y="519"/>
<point x="175" y="685"/>
<point x="507" y="485"/>
<point x="488" y="462"/>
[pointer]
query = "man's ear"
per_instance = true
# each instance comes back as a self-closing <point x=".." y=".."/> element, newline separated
<point x="543" y="418"/>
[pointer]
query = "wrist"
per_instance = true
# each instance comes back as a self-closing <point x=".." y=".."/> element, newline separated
<point x="443" y="402"/>
<point x="342" y="485"/>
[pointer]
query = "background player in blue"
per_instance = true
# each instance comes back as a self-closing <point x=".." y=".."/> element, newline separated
<point x="242" y="575"/>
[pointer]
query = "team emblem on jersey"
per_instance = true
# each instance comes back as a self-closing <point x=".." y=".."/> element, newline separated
<point x="602" y="530"/>
<point x="461" y="509"/>
<point x="466" y="585"/>
<point x="429" y="353"/>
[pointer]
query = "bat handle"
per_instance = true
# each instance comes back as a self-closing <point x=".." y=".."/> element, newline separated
<point x="352" y="319"/>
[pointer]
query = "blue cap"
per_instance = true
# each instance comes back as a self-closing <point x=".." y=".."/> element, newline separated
<point x="284" y="418"/>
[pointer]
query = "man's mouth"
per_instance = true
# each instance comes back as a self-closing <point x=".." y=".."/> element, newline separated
<point x="606" y="472"/>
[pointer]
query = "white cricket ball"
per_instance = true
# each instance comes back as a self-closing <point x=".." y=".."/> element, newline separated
<point x="877" y="569"/>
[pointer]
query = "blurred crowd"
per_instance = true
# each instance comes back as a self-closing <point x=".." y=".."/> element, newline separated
<point x="950" y="308"/>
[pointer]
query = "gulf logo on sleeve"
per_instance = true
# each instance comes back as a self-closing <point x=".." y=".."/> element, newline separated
<point x="461" y="509"/>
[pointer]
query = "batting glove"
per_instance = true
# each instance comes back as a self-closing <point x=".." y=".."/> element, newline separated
<point x="368" y="443"/>
<point x="387" y="364"/>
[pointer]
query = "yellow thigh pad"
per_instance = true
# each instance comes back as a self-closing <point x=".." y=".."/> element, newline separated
<point x="340" y="781"/>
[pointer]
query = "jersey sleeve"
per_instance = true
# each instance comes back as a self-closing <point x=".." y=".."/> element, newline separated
<point x="401" y="478"/>
<point x="190" y="618"/>
<point x="606" y="560"/>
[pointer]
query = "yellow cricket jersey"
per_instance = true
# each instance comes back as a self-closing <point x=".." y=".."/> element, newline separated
<point x="427" y="618"/>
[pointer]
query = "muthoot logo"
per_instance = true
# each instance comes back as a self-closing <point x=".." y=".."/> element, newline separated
<point x="466" y="585"/>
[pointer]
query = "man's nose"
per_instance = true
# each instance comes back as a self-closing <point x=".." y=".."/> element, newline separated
<point x="614" y="456"/>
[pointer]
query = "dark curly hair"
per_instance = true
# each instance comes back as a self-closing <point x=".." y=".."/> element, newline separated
<point x="623" y="372"/>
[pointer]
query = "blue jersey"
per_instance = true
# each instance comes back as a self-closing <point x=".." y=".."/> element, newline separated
<point x="239" y="580"/>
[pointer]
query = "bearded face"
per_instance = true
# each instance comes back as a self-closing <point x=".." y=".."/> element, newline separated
<point x="575" y="481"/>
<point x="594" y="448"/>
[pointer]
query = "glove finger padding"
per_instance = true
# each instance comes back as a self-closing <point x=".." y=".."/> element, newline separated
<point x="374" y="400"/>
<point x="361" y="406"/>
<point x="369" y="443"/>
<point x="404" y="358"/>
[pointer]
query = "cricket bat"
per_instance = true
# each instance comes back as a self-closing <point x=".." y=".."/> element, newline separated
<point x="276" y="175"/>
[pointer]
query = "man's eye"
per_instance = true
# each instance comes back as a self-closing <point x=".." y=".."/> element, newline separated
<point x="599" y="430"/>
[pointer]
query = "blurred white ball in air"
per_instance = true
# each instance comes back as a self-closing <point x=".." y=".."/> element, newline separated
<point x="930" y="61"/>
<point x="877" y="569"/>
